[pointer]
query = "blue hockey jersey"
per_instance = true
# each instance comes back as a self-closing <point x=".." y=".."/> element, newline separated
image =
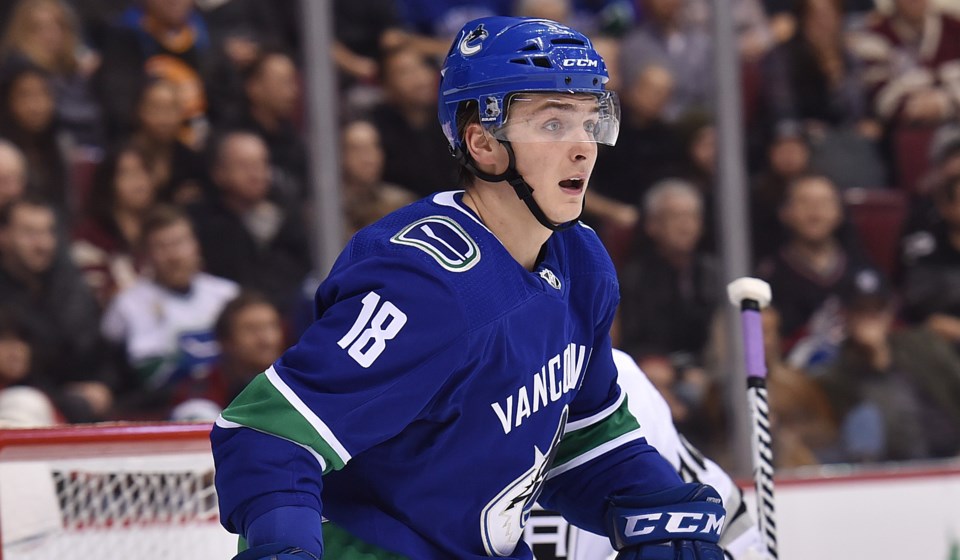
<point x="441" y="391"/>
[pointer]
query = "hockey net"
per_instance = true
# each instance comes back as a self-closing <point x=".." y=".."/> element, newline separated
<point x="142" y="492"/>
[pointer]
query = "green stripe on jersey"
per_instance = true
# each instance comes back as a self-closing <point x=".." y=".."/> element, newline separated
<point x="262" y="407"/>
<point x="579" y="442"/>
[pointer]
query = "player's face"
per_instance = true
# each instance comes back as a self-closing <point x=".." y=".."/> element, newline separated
<point x="554" y="141"/>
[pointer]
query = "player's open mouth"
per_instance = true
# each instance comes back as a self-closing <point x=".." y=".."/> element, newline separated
<point x="573" y="183"/>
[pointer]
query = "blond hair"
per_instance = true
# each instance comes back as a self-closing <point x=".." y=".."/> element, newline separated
<point x="16" y="37"/>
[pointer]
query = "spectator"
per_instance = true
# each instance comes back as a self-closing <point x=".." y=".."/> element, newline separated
<point x="669" y="288"/>
<point x="365" y="31"/>
<point x="692" y="396"/>
<point x="272" y="90"/>
<point x="669" y="298"/>
<point x="360" y="34"/>
<point x="897" y="392"/>
<point x="60" y="315"/>
<point x="909" y="53"/>
<point x="46" y="34"/>
<point x="175" y="169"/>
<point x="698" y="165"/>
<point x="366" y="197"/>
<point x="27" y="119"/>
<point x="814" y="80"/>
<point x="931" y="258"/>
<point x="157" y="39"/>
<point x="812" y="76"/>
<point x="105" y="243"/>
<point x="13" y="173"/>
<point x="245" y="235"/>
<point x="249" y="331"/>
<point x="943" y="161"/>
<point x="241" y="31"/>
<point x="22" y="404"/>
<point x="801" y="417"/>
<point x="923" y="216"/>
<point x="666" y="39"/>
<point x="417" y="156"/>
<point x="618" y="183"/>
<point x="788" y="157"/>
<point x="811" y="268"/>
<point x="163" y="324"/>
<point x="96" y="17"/>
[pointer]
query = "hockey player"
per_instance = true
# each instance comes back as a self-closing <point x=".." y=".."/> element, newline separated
<point x="459" y="368"/>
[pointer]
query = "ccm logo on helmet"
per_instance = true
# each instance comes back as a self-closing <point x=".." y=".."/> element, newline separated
<point x="675" y="522"/>
<point x="580" y="62"/>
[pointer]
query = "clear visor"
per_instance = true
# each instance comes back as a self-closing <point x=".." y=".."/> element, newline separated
<point x="561" y="117"/>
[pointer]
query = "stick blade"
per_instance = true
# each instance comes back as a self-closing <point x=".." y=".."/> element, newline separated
<point x="749" y="288"/>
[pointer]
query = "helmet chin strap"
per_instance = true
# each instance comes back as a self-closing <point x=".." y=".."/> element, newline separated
<point x="520" y="186"/>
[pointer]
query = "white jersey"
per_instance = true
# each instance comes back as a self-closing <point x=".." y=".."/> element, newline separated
<point x="740" y="539"/>
<point x="164" y="331"/>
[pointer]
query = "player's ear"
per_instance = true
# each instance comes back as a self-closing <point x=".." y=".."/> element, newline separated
<point x="484" y="149"/>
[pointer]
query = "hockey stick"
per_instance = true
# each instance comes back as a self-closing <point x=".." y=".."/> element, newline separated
<point x="751" y="295"/>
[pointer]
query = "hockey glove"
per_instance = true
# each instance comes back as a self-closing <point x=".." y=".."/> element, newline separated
<point x="681" y="523"/>
<point x="275" y="551"/>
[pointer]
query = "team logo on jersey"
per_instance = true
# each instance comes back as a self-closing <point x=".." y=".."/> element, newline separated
<point x="504" y="517"/>
<point x="550" y="277"/>
<point x="472" y="42"/>
<point x="444" y="240"/>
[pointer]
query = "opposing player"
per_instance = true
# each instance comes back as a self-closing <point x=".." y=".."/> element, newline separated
<point x="459" y="367"/>
<point x="740" y="538"/>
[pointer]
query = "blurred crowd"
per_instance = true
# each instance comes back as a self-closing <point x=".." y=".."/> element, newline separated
<point x="156" y="210"/>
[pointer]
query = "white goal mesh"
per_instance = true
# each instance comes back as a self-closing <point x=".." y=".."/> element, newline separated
<point x="110" y="492"/>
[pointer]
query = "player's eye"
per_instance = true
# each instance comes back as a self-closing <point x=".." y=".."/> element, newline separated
<point x="591" y="127"/>
<point x="553" y="126"/>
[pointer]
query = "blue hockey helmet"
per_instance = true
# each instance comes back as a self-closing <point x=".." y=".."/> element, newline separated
<point x="494" y="58"/>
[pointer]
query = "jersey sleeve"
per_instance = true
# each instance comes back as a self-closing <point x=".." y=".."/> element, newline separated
<point x="602" y="451"/>
<point x="382" y="346"/>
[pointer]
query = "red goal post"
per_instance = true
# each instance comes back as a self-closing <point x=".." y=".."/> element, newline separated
<point x="109" y="491"/>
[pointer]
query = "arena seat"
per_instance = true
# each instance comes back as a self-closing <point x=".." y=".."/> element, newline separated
<point x="877" y="216"/>
<point x="911" y="146"/>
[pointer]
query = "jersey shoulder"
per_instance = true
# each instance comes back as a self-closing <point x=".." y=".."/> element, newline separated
<point x="585" y="255"/>
<point x="438" y="238"/>
<point x="438" y="242"/>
